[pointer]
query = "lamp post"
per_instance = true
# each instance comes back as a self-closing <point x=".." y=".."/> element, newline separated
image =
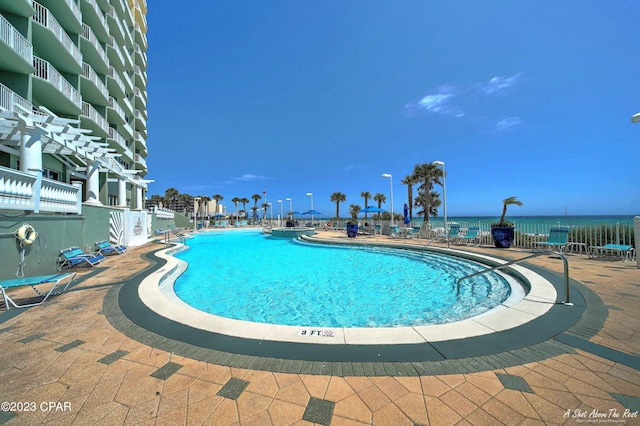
<point x="196" y="202"/>
<point x="387" y="175"/>
<point x="280" y="220"/>
<point x="444" y="194"/>
<point x="290" y="207"/>
<point x="311" y="195"/>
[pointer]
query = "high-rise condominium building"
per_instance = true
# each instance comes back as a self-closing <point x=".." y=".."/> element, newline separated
<point x="73" y="100"/>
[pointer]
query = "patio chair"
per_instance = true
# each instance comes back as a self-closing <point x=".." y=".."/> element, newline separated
<point x="32" y="282"/>
<point x="624" y="251"/>
<point x="106" y="248"/>
<point x="74" y="256"/>
<point x="470" y="236"/>
<point x="557" y="239"/>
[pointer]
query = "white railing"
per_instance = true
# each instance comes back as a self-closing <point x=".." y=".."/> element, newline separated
<point x="143" y="36"/>
<point x="127" y="103"/>
<point x="17" y="41"/>
<point x="114" y="75"/>
<point x="46" y="71"/>
<point x="89" y="111"/>
<point x="89" y="35"/>
<point x="99" y="14"/>
<point x="127" y="80"/>
<point x="116" y="49"/>
<point x="162" y="213"/>
<point x="23" y="191"/>
<point x="9" y="98"/>
<point x="140" y="159"/>
<point x="120" y="140"/>
<point x="47" y="20"/>
<point x="114" y="105"/>
<point x="90" y="74"/>
<point x="74" y="8"/>
<point x="140" y="117"/>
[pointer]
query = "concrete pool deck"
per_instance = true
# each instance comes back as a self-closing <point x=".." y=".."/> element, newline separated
<point x="78" y="349"/>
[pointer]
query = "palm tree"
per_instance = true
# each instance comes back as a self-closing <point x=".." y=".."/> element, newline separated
<point x="265" y="206"/>
<point x="338" y="197"/>
<point x="427" y="175"/>
<point x="255" y="209"/>
<point x="430" y="203"/>
<point x="171" y="197"/>
<point x="218" y="198"/>
<point x="380" y="198"/>
<point x="236" y="200"/>
<point x="354" y="209"/>
<point x="244" y="201"/>
<point x="157" y="200"/>
<point x="367" y="196"/>
<point x="409" y="180"/>
<point x="508" y="202"/>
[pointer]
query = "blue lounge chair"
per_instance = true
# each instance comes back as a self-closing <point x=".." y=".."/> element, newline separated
<point x="74" y="256"/>
<point x="32" y="282"/>
<point x="469" y="236"/>
<point x="106" y="248"/>
<point x="558" y="238"/>
<point x="624" y="251"/>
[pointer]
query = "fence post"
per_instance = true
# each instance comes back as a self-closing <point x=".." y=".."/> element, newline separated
<point x="636" y="230"/>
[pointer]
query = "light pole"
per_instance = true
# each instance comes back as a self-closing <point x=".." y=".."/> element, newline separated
<point x="280" y="220"/>
<point x="387" y="175"/>
<point x="271" y="217"/>
<point x="311" y="195"/>
<point x="196" y="202"/>
<point x="444" y="195"/>
<point x="290" y="208"/>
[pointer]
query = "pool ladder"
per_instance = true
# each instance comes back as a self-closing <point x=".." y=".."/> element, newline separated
<point x="503" y="265"/>
<point x="181" y="237"/>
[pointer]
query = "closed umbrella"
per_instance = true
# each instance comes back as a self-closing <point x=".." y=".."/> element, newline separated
<point x="407" y="219"/>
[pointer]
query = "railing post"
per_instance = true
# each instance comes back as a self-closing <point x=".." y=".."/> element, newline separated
<point x="37" y="187"/>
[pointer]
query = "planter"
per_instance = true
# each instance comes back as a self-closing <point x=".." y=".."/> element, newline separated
<point x="352" y="230"/>
<point x="502" y="236"/>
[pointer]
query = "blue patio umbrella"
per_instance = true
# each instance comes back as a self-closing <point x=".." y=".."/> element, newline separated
<point x="312" y="212"/>
<point x="372" y="210"/>
<point x="407" y="219"/>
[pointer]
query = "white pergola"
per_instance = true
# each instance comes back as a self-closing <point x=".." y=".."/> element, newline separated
<point x="30" y="134"/>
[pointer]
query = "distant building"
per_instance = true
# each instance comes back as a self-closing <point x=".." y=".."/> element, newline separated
<point x="73" y="103"/>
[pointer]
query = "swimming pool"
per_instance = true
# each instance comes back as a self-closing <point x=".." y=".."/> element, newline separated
<point x="245" y="275"/>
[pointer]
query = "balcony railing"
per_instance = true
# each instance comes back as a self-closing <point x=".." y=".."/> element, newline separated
<point x="140" y="159"/>
<point x="113" y="104"/>
<point x="90" y="36"/>
<point x="15" y="40"/>
<point x="89" y="111"/>
<point x="9" y="98"/>
<point x="47" y="72"/>
<point x="114" y="75"/>
<point x="90" y="74"/>
<point x="47" y="20"/>
<point x="23" y="191"/>
<point x="99" y="14"/>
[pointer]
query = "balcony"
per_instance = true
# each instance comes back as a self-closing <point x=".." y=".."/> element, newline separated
<point x="120" y="143"/>
<point x="115" y="57"/>
<point x="128" y="85"/>
<point x="140" y="19"/>
<point x="23" y="191"/>
<point x="140" y="160"/>
<point x="93" y="16"/>
<point x="9" y="99"/>
<point x="67" y="12"/>
<point x="141" y="57"/>
<point x="141" y="37"/>
<point x="141" y="99"/>
<point x="54" y="42"/>
<point x="114" y="82"/>
<point x="93" y="120"/>
<point x="92" y="88"/>
<point x="53" y="90"/>
<point x="127" y="130"/>
<point x="92" y="51"/>
<point x="115" y="114"/>
<point x="16" y="53"/>
<point x="140" y="78"/>
<point x="140" y="122"/>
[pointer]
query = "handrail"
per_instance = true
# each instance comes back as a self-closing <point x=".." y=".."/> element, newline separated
<point x="564" y="259"/>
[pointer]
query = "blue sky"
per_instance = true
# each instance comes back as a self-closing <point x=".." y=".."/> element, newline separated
<point x="532" y="99"/>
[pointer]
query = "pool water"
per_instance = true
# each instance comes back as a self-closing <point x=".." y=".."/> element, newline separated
<point x="247" y="275"/>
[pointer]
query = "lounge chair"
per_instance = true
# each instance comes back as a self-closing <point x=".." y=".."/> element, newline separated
<point x="32" y="282"/>
<point x="557" y="239"/>
<point x="624" y="251"/>
<point x="106" y="248"/>
<point x="74" y="256"/>
<point x="469" y="236"/>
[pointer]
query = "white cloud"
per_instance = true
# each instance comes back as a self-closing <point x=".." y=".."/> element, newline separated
<point x="508" y="123"/>
<point x="498" y="85"/>
<point x="247" y="177"/>
<point x="350" y="167"/>
<point x="439" y="102"/>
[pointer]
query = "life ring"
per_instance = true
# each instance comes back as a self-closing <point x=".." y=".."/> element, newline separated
<point x="26" y="234"/>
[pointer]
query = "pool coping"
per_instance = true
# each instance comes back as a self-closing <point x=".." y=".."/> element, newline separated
<point x="156" y="292"/>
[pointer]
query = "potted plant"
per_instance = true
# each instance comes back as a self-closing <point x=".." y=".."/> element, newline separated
<point x="352" y="228"/>
<point x="503" y="231"/>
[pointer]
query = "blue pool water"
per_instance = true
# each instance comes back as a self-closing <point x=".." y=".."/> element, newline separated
<point x="249" y="276"/>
